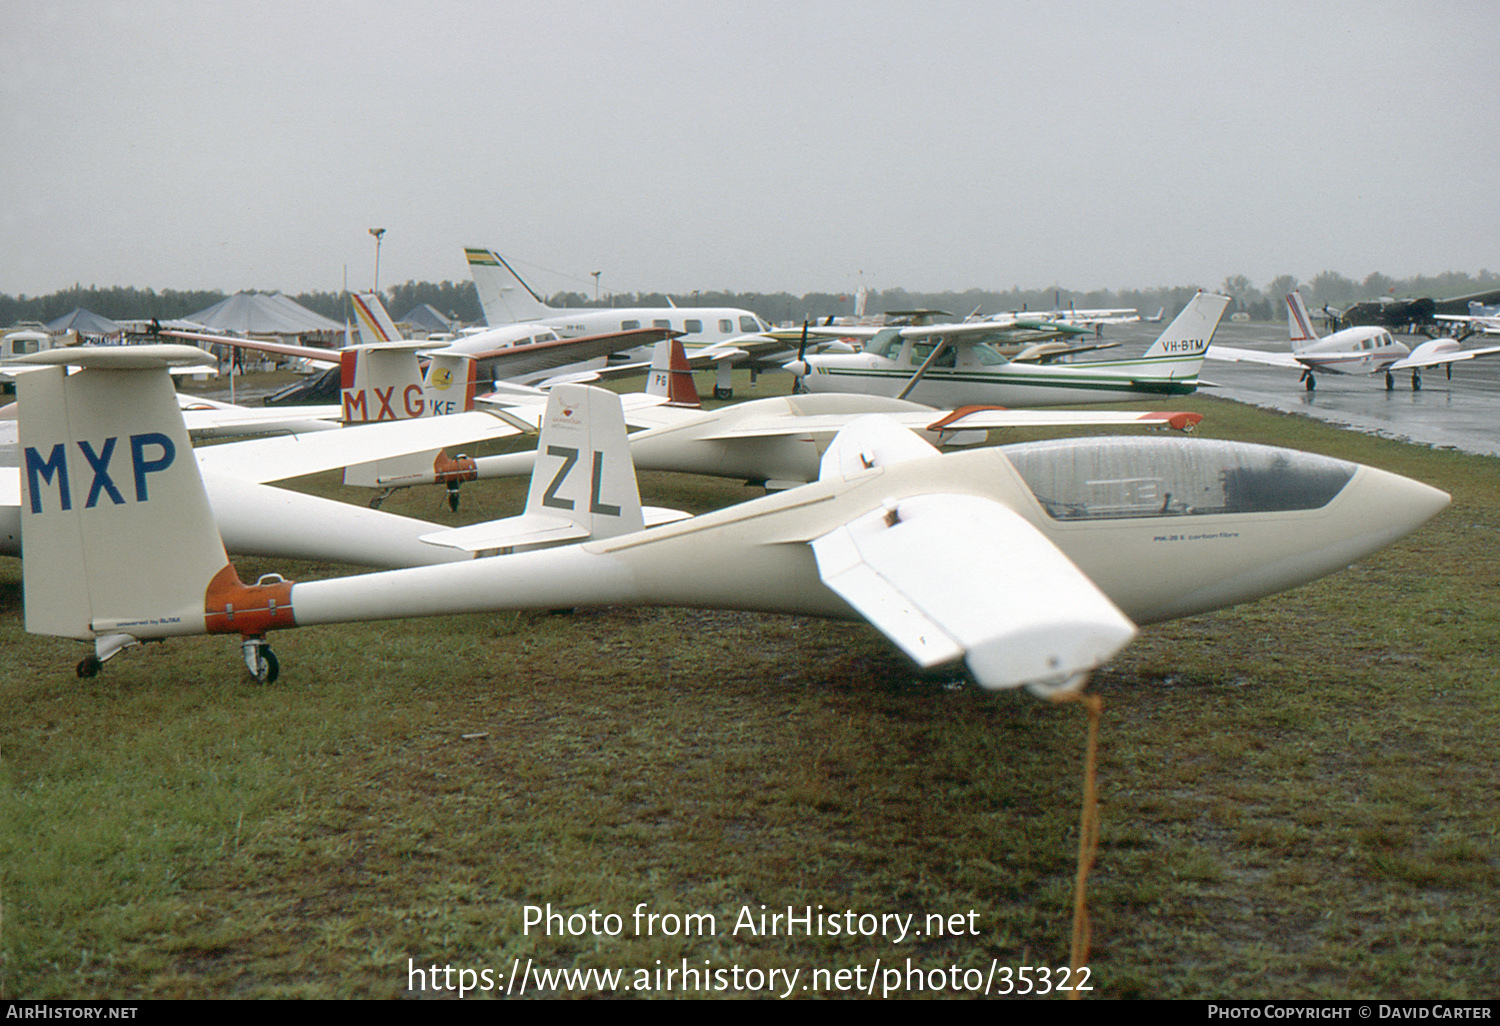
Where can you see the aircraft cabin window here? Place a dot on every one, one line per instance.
(987, 354)
(749, 325)
(922, 350)
(661, 322)
(629, 325)
(726, 325)
(1117, 478)
(692, 326)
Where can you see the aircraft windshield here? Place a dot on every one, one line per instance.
(1113, 478)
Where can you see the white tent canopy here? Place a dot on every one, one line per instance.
(263, 314)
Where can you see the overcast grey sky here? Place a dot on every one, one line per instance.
(745, 145)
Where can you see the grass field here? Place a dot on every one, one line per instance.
(1298, 796)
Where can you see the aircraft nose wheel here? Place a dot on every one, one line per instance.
(1390, 382)
(1416, 381)
(261, 661)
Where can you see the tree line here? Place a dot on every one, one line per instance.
(459, 301)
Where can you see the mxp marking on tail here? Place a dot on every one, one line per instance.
(54, 468)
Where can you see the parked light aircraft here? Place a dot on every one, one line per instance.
(1479, 318)
(718, 336)
(779, 442)
(1361, 350)
(1033, 562)
(1092, 319)
(520, 352)
(942, 367)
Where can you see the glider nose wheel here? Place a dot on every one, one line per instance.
(260, 660)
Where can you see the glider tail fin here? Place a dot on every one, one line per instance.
(380, 383)
(584, 471)
(375, 324)
(504, 297)
(449, 384)
(671, 376)
(1298, 323)
(1187, 337)
(120, 540)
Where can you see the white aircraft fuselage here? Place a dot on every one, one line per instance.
(1159, 545)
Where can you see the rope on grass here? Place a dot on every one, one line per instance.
(1088, 834)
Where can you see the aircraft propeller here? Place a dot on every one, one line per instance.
(797, 386)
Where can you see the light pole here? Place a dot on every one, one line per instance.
(596, 285)
(377, 232)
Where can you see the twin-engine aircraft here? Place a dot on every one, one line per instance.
(713, 336)
(1032, 562)
(1360, 350)
(951, 365)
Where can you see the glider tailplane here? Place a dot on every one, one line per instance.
(584, 471)
(671, 376)
(503, 296)
(120, 540)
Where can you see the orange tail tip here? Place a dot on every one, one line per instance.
(447, 469)
(232, 607)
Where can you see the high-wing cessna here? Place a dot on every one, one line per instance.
(1361, 350)
(1033, 562)
(942, 366)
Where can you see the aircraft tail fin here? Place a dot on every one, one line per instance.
(504, 297)
(120, 539)
(449, 384)
(1192, 330)
(671, 375)
(380, 383)
(375, 324)
(1298, 323)
(584, 471)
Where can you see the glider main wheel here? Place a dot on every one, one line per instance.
(262, 663)
(269, 668)
(89, 667)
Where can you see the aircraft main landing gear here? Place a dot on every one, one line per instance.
(260, 660)
(1416, 380)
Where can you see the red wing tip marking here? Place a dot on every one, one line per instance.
(959, 414)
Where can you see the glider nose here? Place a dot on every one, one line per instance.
(1392, 506)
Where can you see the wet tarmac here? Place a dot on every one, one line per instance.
(1459, 413)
